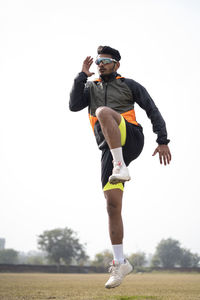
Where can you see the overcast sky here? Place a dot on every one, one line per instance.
(49, 160)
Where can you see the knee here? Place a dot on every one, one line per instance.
(102, 112)
(113, 209)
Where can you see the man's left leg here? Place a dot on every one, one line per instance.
(120, 267)
(114, 208)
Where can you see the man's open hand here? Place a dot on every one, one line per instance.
(86, 66)
(164, 154)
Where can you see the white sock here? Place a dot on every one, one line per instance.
(117, 154)
(118, 253)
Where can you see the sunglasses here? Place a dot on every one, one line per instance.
(104, 60)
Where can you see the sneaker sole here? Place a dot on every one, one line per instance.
(116, 180)
(112, 287)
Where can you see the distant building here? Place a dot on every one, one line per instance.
(2, 243)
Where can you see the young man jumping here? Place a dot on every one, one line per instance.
(110, 101)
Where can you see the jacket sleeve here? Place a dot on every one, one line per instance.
(144, 100)
(79, 96)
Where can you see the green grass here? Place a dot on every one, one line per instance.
(158, 286)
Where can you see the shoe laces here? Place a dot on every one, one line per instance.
(117, 165)
(114, 268)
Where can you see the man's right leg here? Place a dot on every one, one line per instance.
(110, 122)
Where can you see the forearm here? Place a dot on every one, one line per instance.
(158, 123)
(159, 126)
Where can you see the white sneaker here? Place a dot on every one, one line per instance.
(120, 173)
(118, 272)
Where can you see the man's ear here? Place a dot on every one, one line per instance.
(117, 65)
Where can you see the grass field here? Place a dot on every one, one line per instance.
(91, 287)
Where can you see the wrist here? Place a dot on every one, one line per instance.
(84, 73)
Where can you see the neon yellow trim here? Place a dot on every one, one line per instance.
(122, 128)
(110, 186)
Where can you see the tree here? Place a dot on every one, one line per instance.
(169, 253)
(155, 261)
(137, 259)
(62, 246)
(8, 256)
(186, 258)
(189, 259)
(102, 259)
(195, 260)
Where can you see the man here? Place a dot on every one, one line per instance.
(110, 101)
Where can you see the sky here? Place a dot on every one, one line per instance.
(49, 160)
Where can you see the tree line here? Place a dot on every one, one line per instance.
(61, 246)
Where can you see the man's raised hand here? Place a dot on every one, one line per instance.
(86, 66)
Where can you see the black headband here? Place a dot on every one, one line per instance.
(108, 50)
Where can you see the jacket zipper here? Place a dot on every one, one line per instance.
(106, 84)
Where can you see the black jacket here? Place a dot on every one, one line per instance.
(118, 93)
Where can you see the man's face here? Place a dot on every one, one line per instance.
(107, 68)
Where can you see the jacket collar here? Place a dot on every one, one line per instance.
(109, 77)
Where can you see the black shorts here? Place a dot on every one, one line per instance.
(134, 142)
